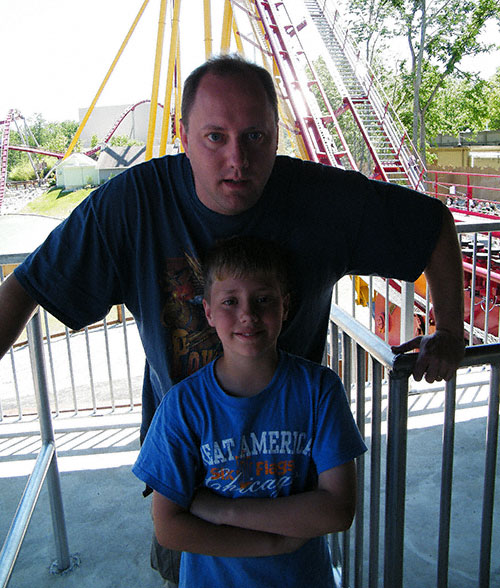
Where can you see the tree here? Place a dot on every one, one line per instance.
(494, 102)
(439, 35)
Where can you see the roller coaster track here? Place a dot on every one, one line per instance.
(319, 122)
(5, 147)
(316, 121)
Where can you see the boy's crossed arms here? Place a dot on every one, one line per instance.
(251, 527)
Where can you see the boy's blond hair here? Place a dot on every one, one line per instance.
(244, 256)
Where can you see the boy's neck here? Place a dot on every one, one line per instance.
(245, 377)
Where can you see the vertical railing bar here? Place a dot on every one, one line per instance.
(347, 378)
(127, 356)
(108, 361)
(333, 538)
(427, 309)
(487, 294)
(397, 423)
(473, 291)
(489, 477)
(386, 310)
(370, 298)
(51, 361)
(45, 418)
(446, 483)
(360, 462)
(91, 371)
(70, 364)
(375, 453)
(16, 385)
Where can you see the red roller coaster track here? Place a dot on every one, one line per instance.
(5, 145)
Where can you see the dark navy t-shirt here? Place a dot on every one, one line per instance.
(138, 240)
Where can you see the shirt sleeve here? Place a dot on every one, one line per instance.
(169, 459)
(337, 438)
(73, 273)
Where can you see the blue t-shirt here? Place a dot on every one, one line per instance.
(270, 445)
(138, 239)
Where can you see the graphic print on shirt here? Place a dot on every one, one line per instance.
(257, 464)
(194, 342)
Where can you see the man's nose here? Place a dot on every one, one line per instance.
(238, 155)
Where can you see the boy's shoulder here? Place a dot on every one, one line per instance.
(308, 366)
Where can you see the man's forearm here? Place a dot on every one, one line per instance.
(16, 308)
(444, 274)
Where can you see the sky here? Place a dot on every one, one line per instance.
(56, 53)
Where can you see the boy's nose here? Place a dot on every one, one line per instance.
(247, 313)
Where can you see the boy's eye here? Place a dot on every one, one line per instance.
(229, 302)
(264, 299)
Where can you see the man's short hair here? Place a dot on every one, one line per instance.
(245, 256)
(224, 66)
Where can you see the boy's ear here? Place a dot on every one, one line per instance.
(208, 312)
(286, 306)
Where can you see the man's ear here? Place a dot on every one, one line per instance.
(184, 137)
(208, 312)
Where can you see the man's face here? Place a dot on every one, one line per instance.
(231, 142)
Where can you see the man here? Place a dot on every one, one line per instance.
(138, 238)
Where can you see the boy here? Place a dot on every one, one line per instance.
(251, 458)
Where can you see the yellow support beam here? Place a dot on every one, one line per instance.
(178, 89)
(226, 27)
(237, 38)
(153, 107)
(170, 77)
(101, 87)
(207, 16)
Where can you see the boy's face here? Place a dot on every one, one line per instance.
(247, 314)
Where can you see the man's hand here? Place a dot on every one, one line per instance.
(439, 355)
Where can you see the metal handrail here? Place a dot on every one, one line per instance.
(45, 469)
(399, 370)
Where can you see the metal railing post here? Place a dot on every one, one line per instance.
(45, 468)
(47, 432)
(397, 428)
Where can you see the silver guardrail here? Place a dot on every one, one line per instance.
(345, 335)
(45, 469)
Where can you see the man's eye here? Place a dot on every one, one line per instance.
(214, 137)
(255, 136)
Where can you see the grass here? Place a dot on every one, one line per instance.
(57, 202)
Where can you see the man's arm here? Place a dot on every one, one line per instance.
(16, 308)
(329, 508)
(177, 528)
(441, 352)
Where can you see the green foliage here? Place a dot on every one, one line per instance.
(438, 34)
(22, 172)
(494, 102)
(48, 136)
(123, 141)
